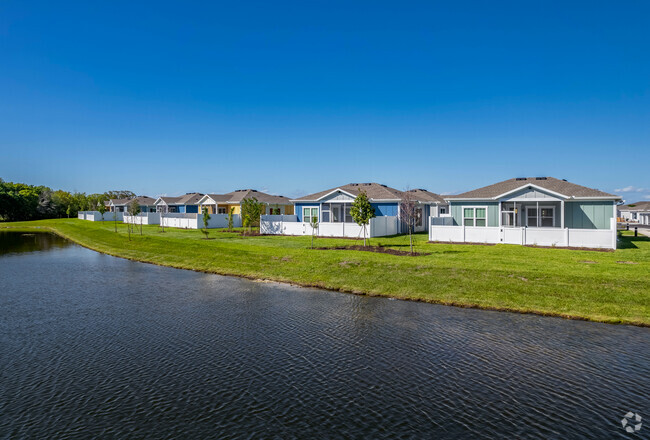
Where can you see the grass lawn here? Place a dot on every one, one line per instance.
(610, 287)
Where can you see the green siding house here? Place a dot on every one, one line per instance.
(542, 211)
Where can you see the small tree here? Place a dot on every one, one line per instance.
(102, 209)
(408, 213)
(231, 212)
(362, 211)
(206, 219)
(313, 222)
(251, 210)
(162, 223)
(133, 209)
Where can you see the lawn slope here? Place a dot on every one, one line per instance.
(611, 287)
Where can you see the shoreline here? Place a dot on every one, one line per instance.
(293, 283)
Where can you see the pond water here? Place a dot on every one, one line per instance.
(97, 346)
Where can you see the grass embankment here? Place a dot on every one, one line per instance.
(609, 287)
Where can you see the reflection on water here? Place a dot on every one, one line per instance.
(95, 346)
(13, 242)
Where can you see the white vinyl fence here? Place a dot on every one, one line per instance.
(587, 238)
(195, 221)
(144, 218)
(96, 216)
(289, 225)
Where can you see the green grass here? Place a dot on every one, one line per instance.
(560, 282)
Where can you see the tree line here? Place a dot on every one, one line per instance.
(20, 202)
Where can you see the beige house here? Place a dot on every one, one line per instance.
(223, 203)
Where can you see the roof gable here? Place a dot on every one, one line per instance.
(374, 191)
(560, 188)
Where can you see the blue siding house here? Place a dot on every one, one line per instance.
(333, 205)
(187, 204)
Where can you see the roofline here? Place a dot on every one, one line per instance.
(369, 198)
(492, 199)
(529, 185)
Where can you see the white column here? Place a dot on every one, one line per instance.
(562, 214)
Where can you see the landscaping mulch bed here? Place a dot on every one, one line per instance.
(378, 249)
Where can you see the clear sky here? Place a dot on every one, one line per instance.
(297, 97)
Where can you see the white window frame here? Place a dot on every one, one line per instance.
(538, 215)
(309, 216)
(474, 208)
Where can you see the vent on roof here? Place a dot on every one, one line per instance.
(354, 184)
(564, 180)
(540, 178)
(521, 178)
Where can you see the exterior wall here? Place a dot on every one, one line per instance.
(588, 215)
(492, 212)
(382, 209)
(299, 206)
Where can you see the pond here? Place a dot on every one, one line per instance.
(97, 346)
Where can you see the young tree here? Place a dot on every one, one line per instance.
(101, 207)
(162, 210)
(251, 210)
(230, 218)
(313, 222)
(206, 219)
(362, 211)
(408, 211)
(133, 209)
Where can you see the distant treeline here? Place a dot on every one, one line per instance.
(19, 201)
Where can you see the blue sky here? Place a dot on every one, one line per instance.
(296, 97)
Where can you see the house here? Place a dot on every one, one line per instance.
(634, 212)
(186, 204)
(222, 203)
(147, 204)
(433, 205)
(331, 209)
(542, 211)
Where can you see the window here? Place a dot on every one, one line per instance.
(418, 217)
(336, 213)
(326, 212)
(348, 216)
(475, 216)
(275, 211)
(531, 217)
(546, 217)
(222, 210)
(309, 215)
(443, 210)
(508, 214)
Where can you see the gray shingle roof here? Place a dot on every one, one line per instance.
(187, 199)
(142, 200)
(550, 183)
(638, 206)
(374, 191)
(424, 196)
(236, 197)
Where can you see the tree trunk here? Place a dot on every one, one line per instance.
(411, 240)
